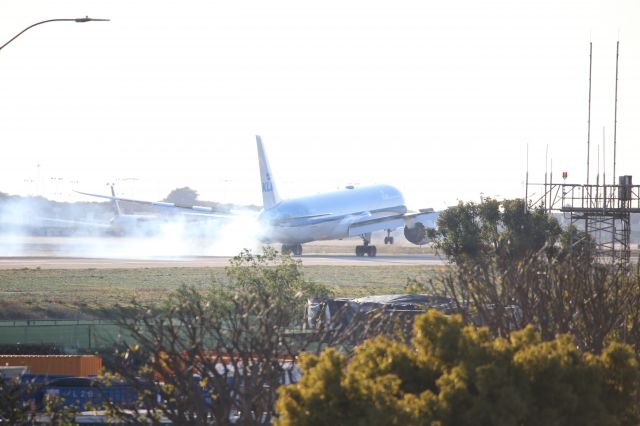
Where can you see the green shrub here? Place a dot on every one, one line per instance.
(452, 374)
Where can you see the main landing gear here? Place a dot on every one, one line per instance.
(388, 239)
(366, 248)
(295, 249)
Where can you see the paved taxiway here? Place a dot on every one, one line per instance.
(45, 262)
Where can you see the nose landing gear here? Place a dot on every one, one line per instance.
(388, 239)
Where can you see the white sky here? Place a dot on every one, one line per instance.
(439, 98)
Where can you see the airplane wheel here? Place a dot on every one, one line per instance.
(371, 251)
(386, 240)
(390, 240)
(359, 251)
(297, 250)
(286, 249)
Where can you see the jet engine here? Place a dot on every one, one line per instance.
(417, 234)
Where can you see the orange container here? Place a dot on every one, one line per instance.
(71, 365)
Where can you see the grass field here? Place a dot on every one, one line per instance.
(93, 293)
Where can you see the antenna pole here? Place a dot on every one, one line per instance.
(551, 185)
(615, 115)
(589, 116)
(546, 164)
(604, 169)
(598, 173)
(526, 184)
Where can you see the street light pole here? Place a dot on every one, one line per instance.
(85, 19)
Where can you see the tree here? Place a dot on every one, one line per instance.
(515, 266)
(458, 233)
(210, 358)
(453, 374)
(15, 405)
(578, 244)
(526, 231)
(19, 403)
(471, 232)
(557, 294)
(184, 196)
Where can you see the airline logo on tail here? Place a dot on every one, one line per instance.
(267, 186)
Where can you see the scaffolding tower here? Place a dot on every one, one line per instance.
(602, 211)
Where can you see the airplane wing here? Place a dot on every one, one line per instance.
(363, 225)
(364, 222)
(303, 220)
(199, 210)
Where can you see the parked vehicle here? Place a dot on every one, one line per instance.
(82, 392)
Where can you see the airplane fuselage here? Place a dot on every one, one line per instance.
(328, 216)
(135, 224)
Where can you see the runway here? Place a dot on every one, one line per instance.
(127, 253)
(45, 262)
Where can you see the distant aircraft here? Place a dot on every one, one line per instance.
(120, 224)
(352, 212)
(132, 223)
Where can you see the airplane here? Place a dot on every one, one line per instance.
(132, 223)
(352, 212)
(348, 213)
(119, 225)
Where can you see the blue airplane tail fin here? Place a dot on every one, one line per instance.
(270, 195)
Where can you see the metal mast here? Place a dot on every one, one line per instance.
(605, 208)
(615, 114)
(589, 116)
